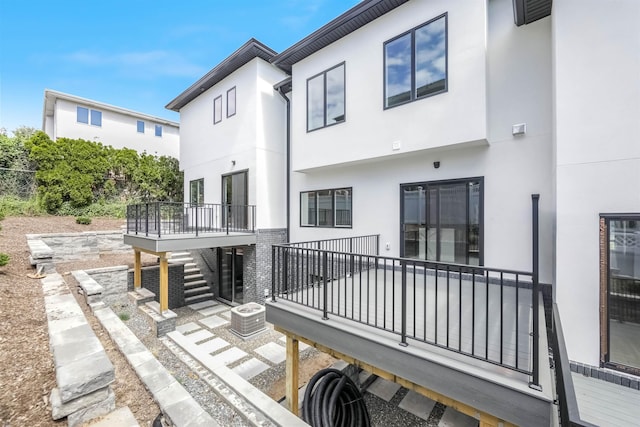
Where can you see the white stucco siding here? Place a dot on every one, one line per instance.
(454, 117)
(597, 107)
(117, 130)
(252, 140)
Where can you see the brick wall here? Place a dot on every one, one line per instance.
(264, 240)
(151, 281)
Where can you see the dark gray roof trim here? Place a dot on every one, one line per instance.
(248, 51)
(351, 20)
(285, 85)
(528, 11)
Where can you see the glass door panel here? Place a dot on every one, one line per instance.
(414, 221)
(234, 195)
(624, 292)
(225, 288)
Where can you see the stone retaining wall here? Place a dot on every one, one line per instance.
(85, 245)
(113, 280)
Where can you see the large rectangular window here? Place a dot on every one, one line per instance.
(325, 98)
(231, 102)
(415, 63)
(442, 221)
(217, 110)
(196, 191)
(326, 208)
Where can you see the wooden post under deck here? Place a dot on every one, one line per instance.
(137, 269)
(164, 282)
(293, 358)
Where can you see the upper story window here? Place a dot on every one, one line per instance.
(158, 130)
(196, 191)
(325, 98)
(217, 110)
(326, 208)
(415, 63)
(140, 126)
(85, 115)
(231, 102)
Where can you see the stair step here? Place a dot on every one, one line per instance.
(188, 265)
(198, 298)
(180, 254)
(181, 261)
(196, 284)
(193, 277)
(188, 271)
(196, 291)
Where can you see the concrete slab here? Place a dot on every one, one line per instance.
(199, 336)
(70, 352)
(154, 376)
(213, 310)
(453, 418)
(417, 404)
(301, 346)
(272, 352)
(188, 413)
(225, 314)
(96, 410)
(61, 410)
(384, 389)
(213, 322)
(188, 327)
(204, 304)
(228, 356)
(250, 368)
(121, 417)
(213, 345)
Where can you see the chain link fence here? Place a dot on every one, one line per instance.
(17, 183)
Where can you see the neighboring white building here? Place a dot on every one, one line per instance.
(69, 116)
(233, 153)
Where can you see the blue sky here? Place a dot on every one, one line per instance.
(136, 54)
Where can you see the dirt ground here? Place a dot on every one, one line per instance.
(26, 365)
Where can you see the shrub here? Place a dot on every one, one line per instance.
(14, 206)
(83, 220)
(4, 259)
(124, 316)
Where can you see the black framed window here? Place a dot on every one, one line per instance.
(326, 208)
(217, 109)
(231, 102)
(196, 191)
(325, 98)
(415, 63)
(443, 221)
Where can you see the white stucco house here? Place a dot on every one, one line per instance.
(70, 116)
(449, 132)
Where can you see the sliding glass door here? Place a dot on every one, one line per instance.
(441, 221)
(230, 262)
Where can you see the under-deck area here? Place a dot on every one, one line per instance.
(459, 335)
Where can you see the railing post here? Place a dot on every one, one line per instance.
(196, 208)
(158, 218)
(228, 217)
(273, 273)
(285, 269)
(535, 382)
(325, 293)
(403, 313)
(146, 219)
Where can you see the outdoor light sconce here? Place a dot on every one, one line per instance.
(233, 162)
(436, 165)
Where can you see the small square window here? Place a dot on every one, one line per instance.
(231, 102)
(217, 110)
(158, 130)
(82, 115)
(140, 126)
(96, 118)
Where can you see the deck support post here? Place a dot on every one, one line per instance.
(137, 269)
(292, 374)
(164, 282)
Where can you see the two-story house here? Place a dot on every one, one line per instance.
(70, 116)
(442, 162)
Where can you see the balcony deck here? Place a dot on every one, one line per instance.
(465, 336)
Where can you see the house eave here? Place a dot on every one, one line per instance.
(247, 52)
(353, 19)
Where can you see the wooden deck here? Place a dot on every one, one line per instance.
(606, 404)
(439, 312)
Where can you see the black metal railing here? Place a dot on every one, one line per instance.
(485, 313)
(166, 218)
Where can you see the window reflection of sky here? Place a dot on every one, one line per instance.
(430, 63)
(331, 97)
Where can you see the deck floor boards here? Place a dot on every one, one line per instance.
(604, 403)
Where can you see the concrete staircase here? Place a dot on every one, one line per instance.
(196, 288)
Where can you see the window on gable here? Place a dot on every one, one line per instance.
(140, 126)
(415, 63)
(325, 98)
(158, 130)
(82, 115)
(217, 110)
(326, 208)
(231, 102)
(96, 118)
